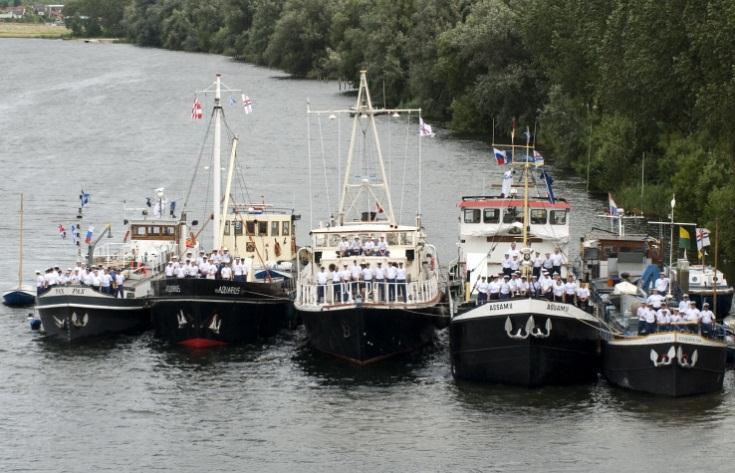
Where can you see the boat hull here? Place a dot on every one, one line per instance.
(201, 313)
(19, 298)
(671, 364)
(364, 335)
(525, 342)
(76, 313)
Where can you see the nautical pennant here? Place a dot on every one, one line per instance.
(196, 110)
(247, 104)
(425, 128)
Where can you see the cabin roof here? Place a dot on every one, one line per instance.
(371, 227)
(502, 202)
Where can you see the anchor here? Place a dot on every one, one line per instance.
(684, 360)
(181, 318)
(79, 322)
(538, 332)
(215, 324)
(518, 335)
(665, 359)
(61, 323)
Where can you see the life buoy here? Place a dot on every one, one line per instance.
(277, 249)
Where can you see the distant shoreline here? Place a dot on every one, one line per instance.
(33, 30)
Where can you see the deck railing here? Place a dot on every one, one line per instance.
(368, 292)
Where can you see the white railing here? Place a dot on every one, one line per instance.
(368, 292)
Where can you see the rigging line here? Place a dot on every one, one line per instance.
(308, 151)
(198, 163)
(339, 158)
(405, 164)
(418, 205)
(324, 163)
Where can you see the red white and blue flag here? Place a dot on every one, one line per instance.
(613, 208)
(196, 110)
(702, 238)
(247, 104)
(501, 157)
(88, 235)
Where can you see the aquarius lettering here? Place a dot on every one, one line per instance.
(228, 290)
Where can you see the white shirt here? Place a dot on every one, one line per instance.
(558, 289)
(40, 281)
(504, 288)
(583, 293)
(119, 279)
(661, 285)
(655, 300)
(482, 287)
(238, 269)
(513, 252)
(400, 274)
(556, 259)
(547, 263)
(706, 316)
(506, 263)
(335, 276)
(379, 273)
(493, 287)
(570, 288)
(193, 270)
(663, 316)
(692, 315)
(169, 270)
(391, 273)
(105, 280)
(650, 316)
(356, 272)
(367, 274)
(212, 271)
(641, 313)
(226, 272)
(321, 278)
(683, 305)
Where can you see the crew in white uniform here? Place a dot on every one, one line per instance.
(707, 320)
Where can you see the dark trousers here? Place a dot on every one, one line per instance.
(380, 289)
(319, 293)
(401, 289)
(391, 290)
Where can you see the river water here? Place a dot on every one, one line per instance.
(114, 120)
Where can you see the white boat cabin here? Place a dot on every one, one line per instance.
(260, 233)
(489, 225)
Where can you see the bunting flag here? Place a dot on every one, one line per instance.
(196, 110)
(83, 199)
(88, 236)
(549, 189)
(501, 157)
(247, 104)
(538, 159)
(232, 100)
(62, 231)
(75, 234)
(702, 238)
(172, 209)
(425, 128)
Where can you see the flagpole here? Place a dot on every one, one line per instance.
(671, 239)
(714, 279)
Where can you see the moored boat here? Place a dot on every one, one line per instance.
(369, 287)
(220, 303)
(76, 310)
(517, 331)
(22, 295)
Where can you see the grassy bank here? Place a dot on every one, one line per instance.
(32, 30)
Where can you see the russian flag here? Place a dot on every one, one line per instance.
(88, 236)
(500, 156)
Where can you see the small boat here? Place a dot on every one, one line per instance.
(708, 284)
(383, 296)
(77, 311)
(199, 312)
(21, 296)
(526, 339)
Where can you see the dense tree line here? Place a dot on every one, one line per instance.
(607, 82)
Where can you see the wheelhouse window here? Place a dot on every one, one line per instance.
(407, 239)
(275, 227)
(471, 215)
(538, 216)
(320, 240)
(491, 215)
(334, 239)
(139, 231)
(512, 215)
(558, 217)
(154, 230)
(250, 227)
(392, 238)
(237, 225)
(263, 228)
(170, 230)
(286, 227)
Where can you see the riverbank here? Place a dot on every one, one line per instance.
(33, 30)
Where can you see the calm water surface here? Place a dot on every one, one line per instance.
(114, 120)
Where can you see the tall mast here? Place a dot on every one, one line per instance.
(20, 258)
(216, 177)
(714, 279)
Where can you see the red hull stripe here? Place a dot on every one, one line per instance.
(201, 343)
(503, 203)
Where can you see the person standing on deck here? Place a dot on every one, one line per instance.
(401, 282)
(390, 275)
(557, 259)
(707, 320)
(379, 274)
(321, 284)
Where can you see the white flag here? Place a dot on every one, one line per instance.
(424, 128)
(247, 104)
(702, 238)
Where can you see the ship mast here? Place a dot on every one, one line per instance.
(216, 172)
(20, 260)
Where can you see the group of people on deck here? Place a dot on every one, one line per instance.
(657, 315)
(356, 247)
(552, 288)
(219, 264)
(384, 282)
(107, 280)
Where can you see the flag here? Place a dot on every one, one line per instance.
(527, 134)
(513, 130)
(83, 199)
(425, 128)
(172, 209)
(501, 157)
(379, 207)
(88, 236)
(538, 159)
(75, 234)
(549, 189)
(702, 238)
(613, 208)
(62, 231)
(247, 104)
(685, 240)
(507, 183)
(232, 100)
(196, 110)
